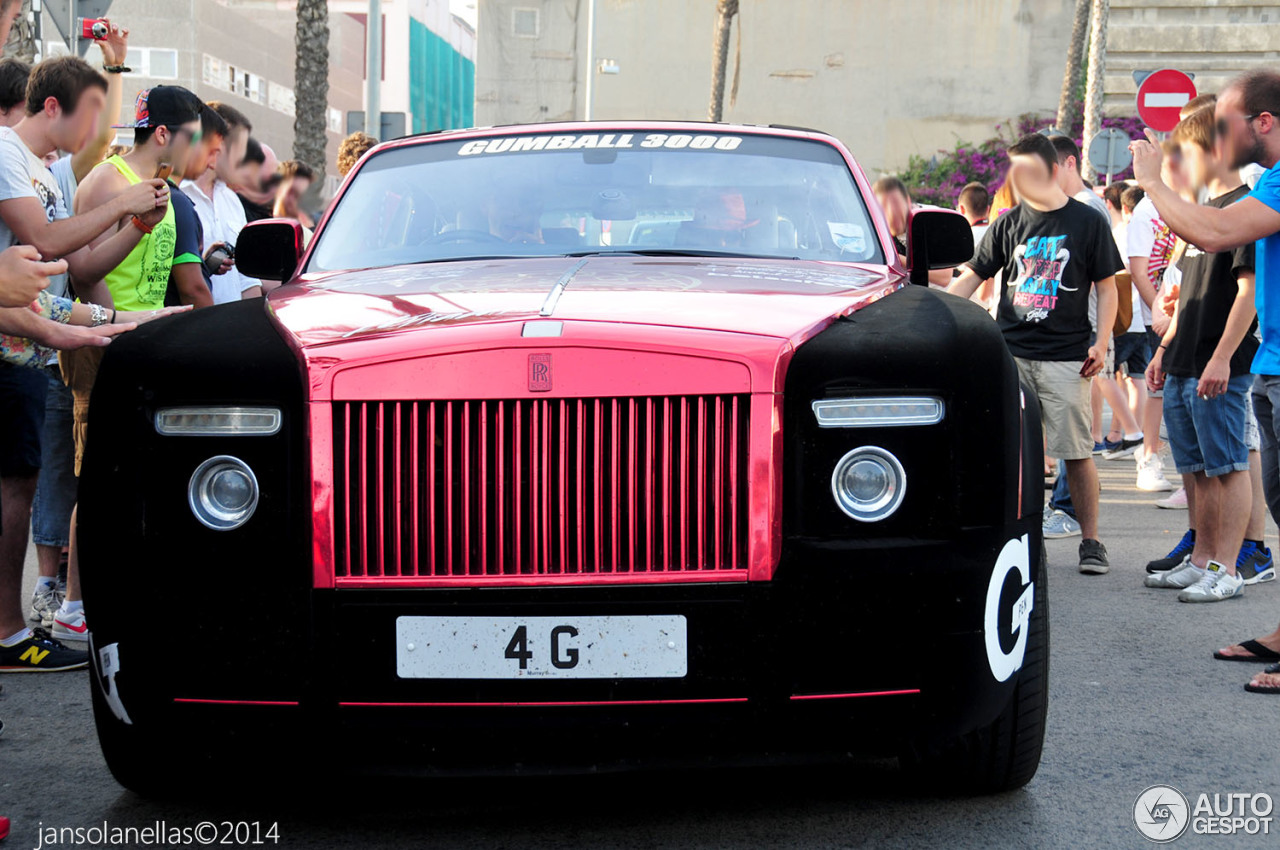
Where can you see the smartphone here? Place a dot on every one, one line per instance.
(95, 28)
(163, 170)
(1084, 369)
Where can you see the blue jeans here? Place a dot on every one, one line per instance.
(1207, 435)
(1060, 498)
(56, 490)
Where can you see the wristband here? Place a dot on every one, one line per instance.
(141, 225)
(113, 316)
(117, 69)
(1162, 345)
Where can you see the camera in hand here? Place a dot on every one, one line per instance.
(218, 255)
(95, 28)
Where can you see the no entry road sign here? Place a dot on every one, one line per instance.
(1161, 96)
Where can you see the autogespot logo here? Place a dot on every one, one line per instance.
(1161, 813)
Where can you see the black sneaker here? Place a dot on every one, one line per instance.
(40, 653)
(1093, 557)
(1176, 555)
(1126, 448)
(1255, 565)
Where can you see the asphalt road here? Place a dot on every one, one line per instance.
(1136, 700)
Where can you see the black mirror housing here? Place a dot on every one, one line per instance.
(937, 239)
(270, 249)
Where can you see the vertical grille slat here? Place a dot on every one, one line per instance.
(525, 488)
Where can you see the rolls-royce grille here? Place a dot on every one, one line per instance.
(546, 487)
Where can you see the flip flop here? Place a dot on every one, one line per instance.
(1274, 690)
(1273, 668)
(1259, 653)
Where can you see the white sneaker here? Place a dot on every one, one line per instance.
(1151, 475)
(70, 626)
(1179, 577)
(1214, 586)
(44, 604)
(1176, 502)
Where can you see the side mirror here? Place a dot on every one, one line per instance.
(269, 249)
(937, 239)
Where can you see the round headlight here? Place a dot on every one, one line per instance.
(869, 484)
(223, 493)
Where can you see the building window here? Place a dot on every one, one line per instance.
(524, 22)
(280, 98)
(154, 62)
(335, 120)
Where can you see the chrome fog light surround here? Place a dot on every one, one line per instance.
(878, 411)
(218, 421)
(869, 484)
(223, 493)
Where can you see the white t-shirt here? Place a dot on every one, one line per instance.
(222, 218)
(1145, 230)
(24, 175)
(1088, 196)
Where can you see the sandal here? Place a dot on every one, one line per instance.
(1259, 653)
(1262, 689)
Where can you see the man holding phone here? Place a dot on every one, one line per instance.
(1053, 250)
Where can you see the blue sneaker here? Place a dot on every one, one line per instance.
(1099, 448)
(1176, 555)
(1057, 525)
(1254, 564)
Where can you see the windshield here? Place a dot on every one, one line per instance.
(538, 194)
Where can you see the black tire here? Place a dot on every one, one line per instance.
(1005, 754)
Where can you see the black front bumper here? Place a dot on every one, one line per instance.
(852, 648)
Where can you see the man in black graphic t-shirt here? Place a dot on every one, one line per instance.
(1053, 250)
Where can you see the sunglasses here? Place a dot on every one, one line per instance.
(193, 135)
(1221, 126)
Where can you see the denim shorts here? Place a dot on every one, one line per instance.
(1207, 436)
(56, 490)
(1153, 342)
(1133, 353)
(22, 393)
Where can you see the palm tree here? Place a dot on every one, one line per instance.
(311, 89)
(22, 37)
(1093, 93)
(725, 10)
(1075, 60)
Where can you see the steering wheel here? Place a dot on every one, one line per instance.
(451, 236)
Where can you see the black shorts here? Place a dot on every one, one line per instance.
(22, 395)
(1133, 351)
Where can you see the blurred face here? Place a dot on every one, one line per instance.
(231, 156)
(1195, 165)
(71, 131)
(896, 209)
(291, 192)
(1238, 140)
(203, 157)
(1172, 174)
(1028, 172)
(178, 144)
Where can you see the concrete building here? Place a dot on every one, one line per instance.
(428, 62)
(890, 78)
(1213, 39)
(238, 51)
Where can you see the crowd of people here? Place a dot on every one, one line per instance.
(97, 240)
(1150, 298)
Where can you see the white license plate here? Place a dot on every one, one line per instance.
(651, 647)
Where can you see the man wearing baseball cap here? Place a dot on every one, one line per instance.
(166, 126)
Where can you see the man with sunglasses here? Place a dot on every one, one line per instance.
(1247, 124)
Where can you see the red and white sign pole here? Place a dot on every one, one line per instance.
(1161, 97)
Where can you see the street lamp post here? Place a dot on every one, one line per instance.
(373, 71)
(590, 87)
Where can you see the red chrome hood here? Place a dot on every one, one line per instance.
(787, 299)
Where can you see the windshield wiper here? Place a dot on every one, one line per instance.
(677, 252)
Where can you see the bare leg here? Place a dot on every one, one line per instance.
(1095, 402)
(73, 561)
(1188, 484)
(1207, 492)
(16, 494)
(1121, 415)
(1235, 495)
(1257, 528)
(1152, 413)
(1082, 477)
(47, 558)
(1137, 393)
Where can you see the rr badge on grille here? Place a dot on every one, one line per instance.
(539, 373)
